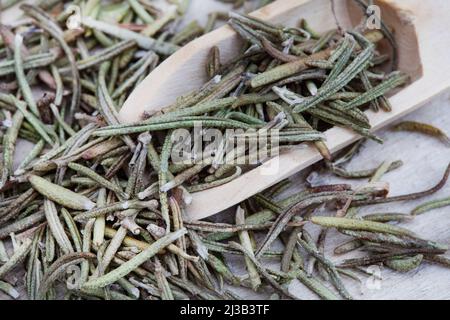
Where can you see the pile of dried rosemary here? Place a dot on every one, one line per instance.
(105, 201)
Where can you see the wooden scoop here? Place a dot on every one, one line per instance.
(421, 32)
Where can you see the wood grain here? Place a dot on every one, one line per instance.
(425, 159)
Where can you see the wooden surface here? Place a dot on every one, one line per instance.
(425, 160)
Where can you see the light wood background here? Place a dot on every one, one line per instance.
(425, 160)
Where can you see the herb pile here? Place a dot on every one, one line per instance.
(107, 199)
